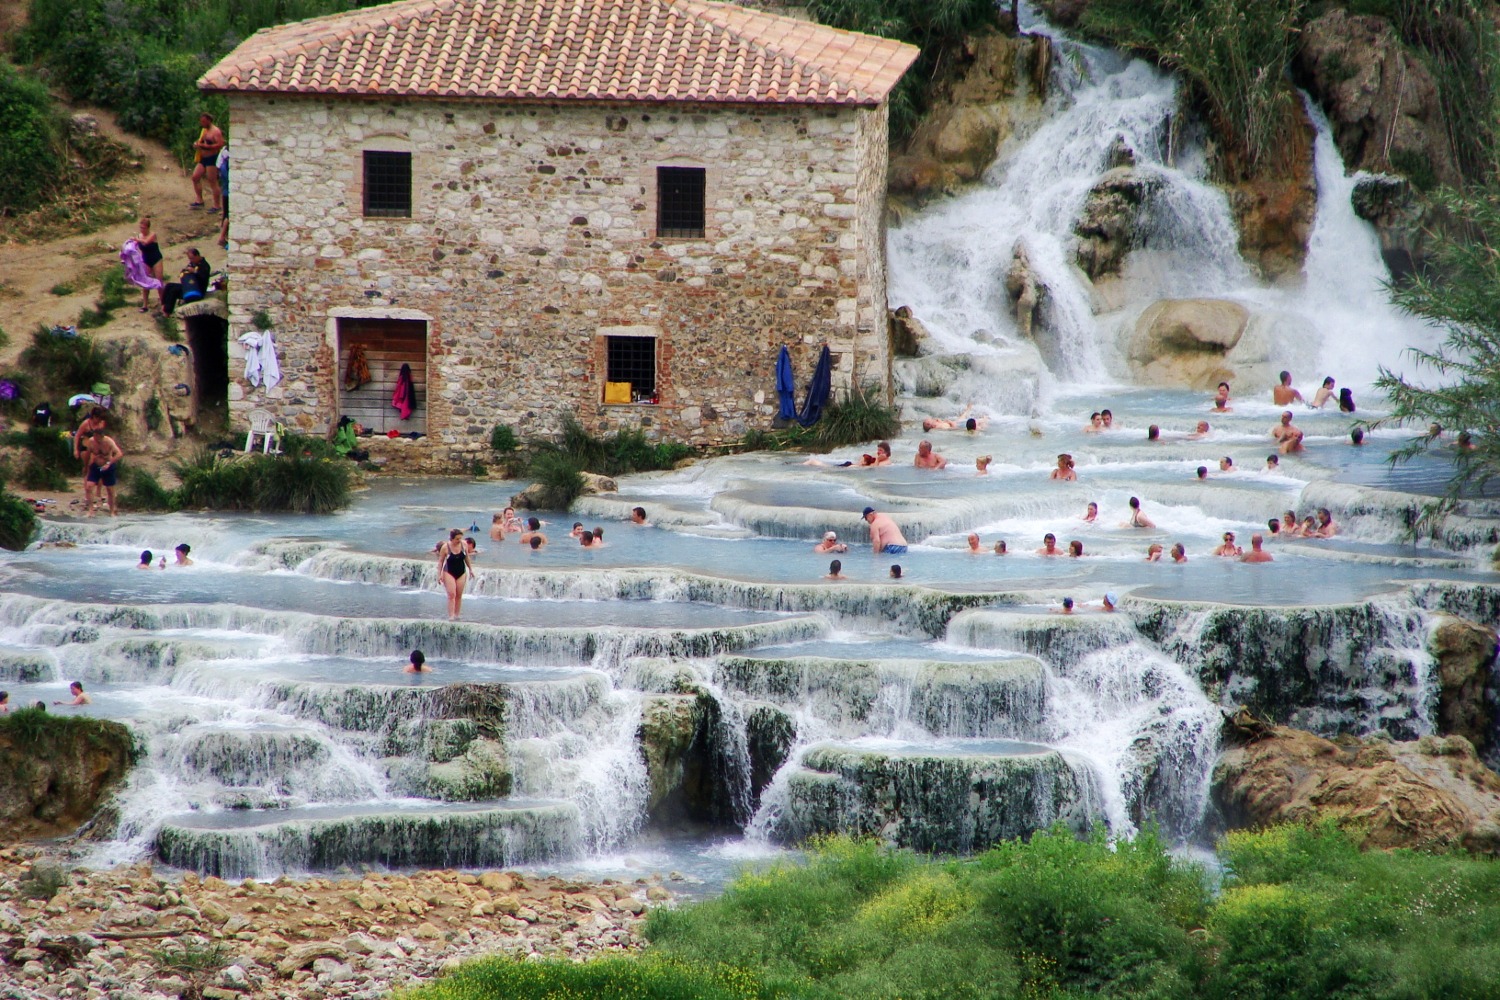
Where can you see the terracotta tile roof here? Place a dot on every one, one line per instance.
(607, 50)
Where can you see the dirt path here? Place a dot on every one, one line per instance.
(162, 189)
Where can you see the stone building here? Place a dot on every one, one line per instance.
(616, 209)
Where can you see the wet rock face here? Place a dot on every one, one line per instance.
(58, 774)
(1432, 793)
(1381, 100)
(933, 803)
(995, 91)
(1400, 218)
(694, 773)
(1108, 222)
(1464, 652)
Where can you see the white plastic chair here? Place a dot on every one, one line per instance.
(262, 423)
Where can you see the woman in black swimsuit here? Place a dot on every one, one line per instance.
(151, 256)
(453, 568)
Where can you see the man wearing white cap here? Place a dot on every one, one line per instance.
(1110, 600)
(830, 543)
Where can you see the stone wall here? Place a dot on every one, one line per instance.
(533, 236)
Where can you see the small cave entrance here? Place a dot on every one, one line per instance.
(208, 346)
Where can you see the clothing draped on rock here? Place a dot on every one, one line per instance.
(357, 371)
(404, 399)
(136, 271)
(786, 385)
(261, 366)
(817, 390)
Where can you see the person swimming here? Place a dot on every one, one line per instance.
(1095, 424)
(835, 571)
(1092, 513)
(1228, 548)
(417, 663)
(1153, 552)
(895, 571)
(974, 543)
(830, 543)
(1200, 432)
(146, 558)
(1357, 436)
(1067, 607)
(1346, 401)
(1324, 394)
(1000, 548)
(1256, 554)
(1064, 471)
(1075, 549)
(1179, 554)
(78, 697)
(982, 463)
(1049, 545)
(1153, 433)
(1138, 518)
(1283, 393)
(1226, 464)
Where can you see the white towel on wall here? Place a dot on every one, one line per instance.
(261, 364)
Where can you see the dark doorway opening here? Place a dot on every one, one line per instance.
(208, 344)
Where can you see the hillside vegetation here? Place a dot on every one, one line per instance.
(142, 58)
(1301, 915)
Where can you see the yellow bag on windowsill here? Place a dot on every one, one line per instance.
(617, 392)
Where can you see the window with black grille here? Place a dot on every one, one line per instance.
(387, 185)
(633, 360)
(679, 202)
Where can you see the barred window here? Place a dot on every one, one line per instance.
(387, 185)
(633, 360)
(679, 202)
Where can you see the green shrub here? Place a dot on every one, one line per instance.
(143, 491)
(115, 291)
(32, 156)
(600, 979)
(503, 439)
(619, 454)
(18, 522)
(295, 481)
(92, 319)
(169, 328)
(858, 416)
(559, 476)
(299, 484)
(65, 365)
(1235, 55)
(49, 459)
(262, 320)
(61, 289)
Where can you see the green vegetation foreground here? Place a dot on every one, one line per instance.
(1300, 914)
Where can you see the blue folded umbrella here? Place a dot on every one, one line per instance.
(786, 387)
(817, 390)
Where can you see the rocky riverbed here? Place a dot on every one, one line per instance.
(133, 933)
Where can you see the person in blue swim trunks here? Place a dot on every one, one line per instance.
(884, 535)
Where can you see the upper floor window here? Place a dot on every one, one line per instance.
(387, 184)
(679, 202)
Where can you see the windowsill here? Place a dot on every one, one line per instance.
(630, 406)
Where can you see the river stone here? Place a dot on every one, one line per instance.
(947, 801)
(1186, 341)
(303, 955)
(1107, 223)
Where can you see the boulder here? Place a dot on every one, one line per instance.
(1464, 652)
(992, 89)
(1381, 99)
(1187, 341)
(1432, 793)
(906, 332)
(693, 771)
(59, 773)
(1108, 220)
(1023, 289)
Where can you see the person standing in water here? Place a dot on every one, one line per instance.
(1256, 553)
(1283, 394)
(884, 535)
(453, 570)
